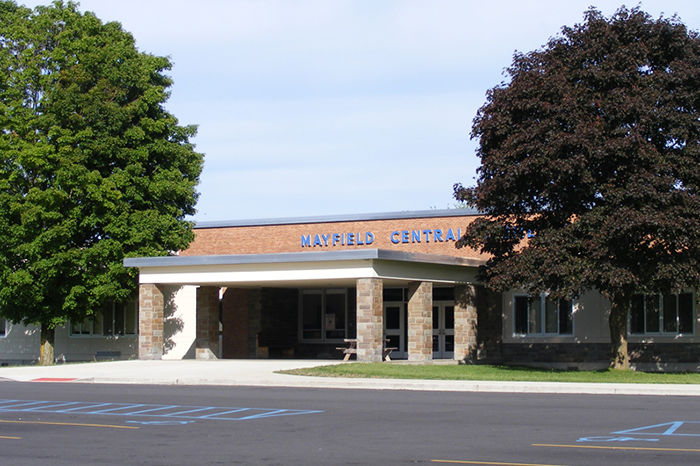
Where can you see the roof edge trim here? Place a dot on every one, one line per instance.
(290, 257)
(339, 218)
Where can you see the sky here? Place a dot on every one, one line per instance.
(333, 107)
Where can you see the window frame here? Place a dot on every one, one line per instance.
(324, 320)
(96, 326)
(661, 308)
(542, 317)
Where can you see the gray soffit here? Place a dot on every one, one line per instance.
(290, 257)
(339, 218)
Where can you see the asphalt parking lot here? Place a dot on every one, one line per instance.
(92, 423)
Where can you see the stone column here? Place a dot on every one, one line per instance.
(420, 321)
(207, 322)
(465, 323)
(151, 305)
(370, 315)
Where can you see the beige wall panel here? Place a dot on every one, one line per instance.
(180, 322)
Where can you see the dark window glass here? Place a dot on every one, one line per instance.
(449, 317)
(520, 324)
(119, 319)
(535, 315)
(97, 321)
(685, 313)
(130, 318)
(107, 320)
(449, 343)
(652, 314)
(323, 314)
(312, 313)
(352, 313)
(393, 294)
(443, 294)
(393, 317)
(551, 316)
(566, 317)
(675, 311)
(670, 306)
(335, 315)
(637, 314)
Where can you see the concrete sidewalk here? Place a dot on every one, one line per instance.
(261, 373)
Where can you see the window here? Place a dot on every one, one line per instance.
(323, 314)
(542, 315)
(662, 314)
(114, 319)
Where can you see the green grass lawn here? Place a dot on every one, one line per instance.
(496, 373)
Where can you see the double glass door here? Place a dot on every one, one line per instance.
(396, 326)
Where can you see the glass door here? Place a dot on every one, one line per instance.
(394, 329)
(443, 330)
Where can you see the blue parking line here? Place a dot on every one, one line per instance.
(24, 404)
(210, 416)
(155, 409)
(144, 410)
(116, 409)
(279, 412)
(180, 414)
(67, 403)
(83, 407)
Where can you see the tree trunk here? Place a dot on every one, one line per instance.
(619, 357)
(46, 354)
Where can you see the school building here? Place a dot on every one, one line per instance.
(379, 285)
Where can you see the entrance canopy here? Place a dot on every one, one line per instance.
(322, 268)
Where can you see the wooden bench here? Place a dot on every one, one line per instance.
(352, 349)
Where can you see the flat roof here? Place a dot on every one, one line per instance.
(290, 257)
(339, 218)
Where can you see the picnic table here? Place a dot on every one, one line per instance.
(351, 349)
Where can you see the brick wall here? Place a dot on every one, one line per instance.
(526, 353)
(665, 353)
(207, 322)
(287, 238)
(235, 307)
(557, 353)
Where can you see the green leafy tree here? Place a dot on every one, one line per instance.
(593, 148)
(92, 167)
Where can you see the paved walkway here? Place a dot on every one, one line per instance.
(261, 373)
